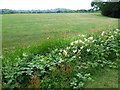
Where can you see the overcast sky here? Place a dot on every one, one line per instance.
(44, 4)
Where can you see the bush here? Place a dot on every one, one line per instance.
(111, 9)
(69, 67)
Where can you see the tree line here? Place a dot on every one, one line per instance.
(57, 10)
(111, 9)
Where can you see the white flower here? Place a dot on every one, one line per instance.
(71, 43)
(83, 35)
(112, 36)
(74, 57)
(41, 60)
(107, 48)
(74, 51)
(68, 48)
(64, 52)
(102, 33)
(95, 40)
(61, 50)
(90, 38)
(85, 39)
(81, 41)
(81, 47)
(56, 49)
(76, 42)
(115, 32)
(24, 54)
(59, 53)
(61, 61)
(101, 44)
(117, 29)
(79, 57)
(88, 50)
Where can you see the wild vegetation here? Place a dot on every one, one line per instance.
(69, 67)
(110, 8)
(58, 50)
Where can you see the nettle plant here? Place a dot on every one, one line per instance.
(75, 64)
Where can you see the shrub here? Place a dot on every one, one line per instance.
(69, 67)
(111, 9)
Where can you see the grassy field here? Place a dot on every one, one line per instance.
(28, 29)
(106, 78)
(40, 40)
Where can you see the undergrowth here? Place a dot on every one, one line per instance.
(68, 66)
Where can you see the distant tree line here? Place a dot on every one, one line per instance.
(57, 10)
(110, 8)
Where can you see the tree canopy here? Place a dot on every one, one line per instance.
(111, 9)
(97, 5)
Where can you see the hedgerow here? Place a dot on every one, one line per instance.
(69, 67)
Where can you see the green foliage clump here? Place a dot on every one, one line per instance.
(69, 67)
(111, 9)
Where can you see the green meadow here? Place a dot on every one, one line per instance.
(59, 50)
(29, 29)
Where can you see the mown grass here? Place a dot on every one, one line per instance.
(105, 78)
(29, 29)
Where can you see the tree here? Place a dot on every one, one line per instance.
(111, 9)
(97, 5)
